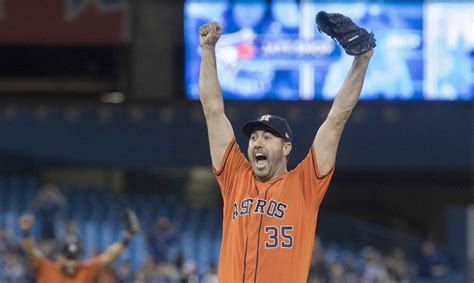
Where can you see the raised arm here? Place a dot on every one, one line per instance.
(329, 134)
(132, 227)
(113, 251)
(219, 129)
(28, 245)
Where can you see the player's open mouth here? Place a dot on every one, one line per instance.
(260, 160)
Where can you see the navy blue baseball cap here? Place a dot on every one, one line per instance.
(271, 123)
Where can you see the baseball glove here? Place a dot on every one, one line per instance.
(132, 224)
(354, 39)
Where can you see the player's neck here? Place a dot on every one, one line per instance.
(282, 170)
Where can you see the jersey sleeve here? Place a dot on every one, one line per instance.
(314, 184)
(233, 166)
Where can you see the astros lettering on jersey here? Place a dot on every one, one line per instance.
(268, 227)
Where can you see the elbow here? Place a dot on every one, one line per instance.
(211, 102)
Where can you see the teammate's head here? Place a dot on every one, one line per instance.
(269, 147)
(69, 258)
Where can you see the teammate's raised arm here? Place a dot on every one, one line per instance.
(132, 227)
(28, 245)
(356, 42)
(218, 126)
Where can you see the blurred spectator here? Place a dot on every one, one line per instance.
(47, 204)
(181, 271)
(319, 270)
(162, 240)
(13, 271)
(187, 270)
(211, 276)
(350, 267)
(157, 273)
(125, 272)
(336, 273)
(374, 270)
(6, 242)
(165, 273)
(431, 263)
(140, 276)
(397, 266)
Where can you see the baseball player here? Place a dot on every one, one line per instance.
(68, 268)
(270, 213)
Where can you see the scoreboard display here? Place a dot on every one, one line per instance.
(273, 50)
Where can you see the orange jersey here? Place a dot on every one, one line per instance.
(50, 272)
(268, 228)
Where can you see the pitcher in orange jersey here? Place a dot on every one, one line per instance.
(270, 213)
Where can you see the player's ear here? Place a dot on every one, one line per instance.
(287, 149)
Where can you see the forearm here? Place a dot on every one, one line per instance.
(114, 250)
(31, 251)
(348, 95)
(210, 92)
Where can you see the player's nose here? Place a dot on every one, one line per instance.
(258, 142)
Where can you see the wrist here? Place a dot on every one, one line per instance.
(208, 47)
(127, 237)
(125, 241)
(365, 56)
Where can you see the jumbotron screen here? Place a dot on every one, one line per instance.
(273, 50)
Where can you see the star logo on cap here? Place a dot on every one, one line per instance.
(265, 118)
(287, 135)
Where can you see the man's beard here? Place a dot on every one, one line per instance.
(69, 272)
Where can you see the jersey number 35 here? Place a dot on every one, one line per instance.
(279, 237)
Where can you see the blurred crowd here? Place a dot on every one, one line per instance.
(166, 264)
(370, 265)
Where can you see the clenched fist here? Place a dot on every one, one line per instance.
(26, 221)
(209, 34)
